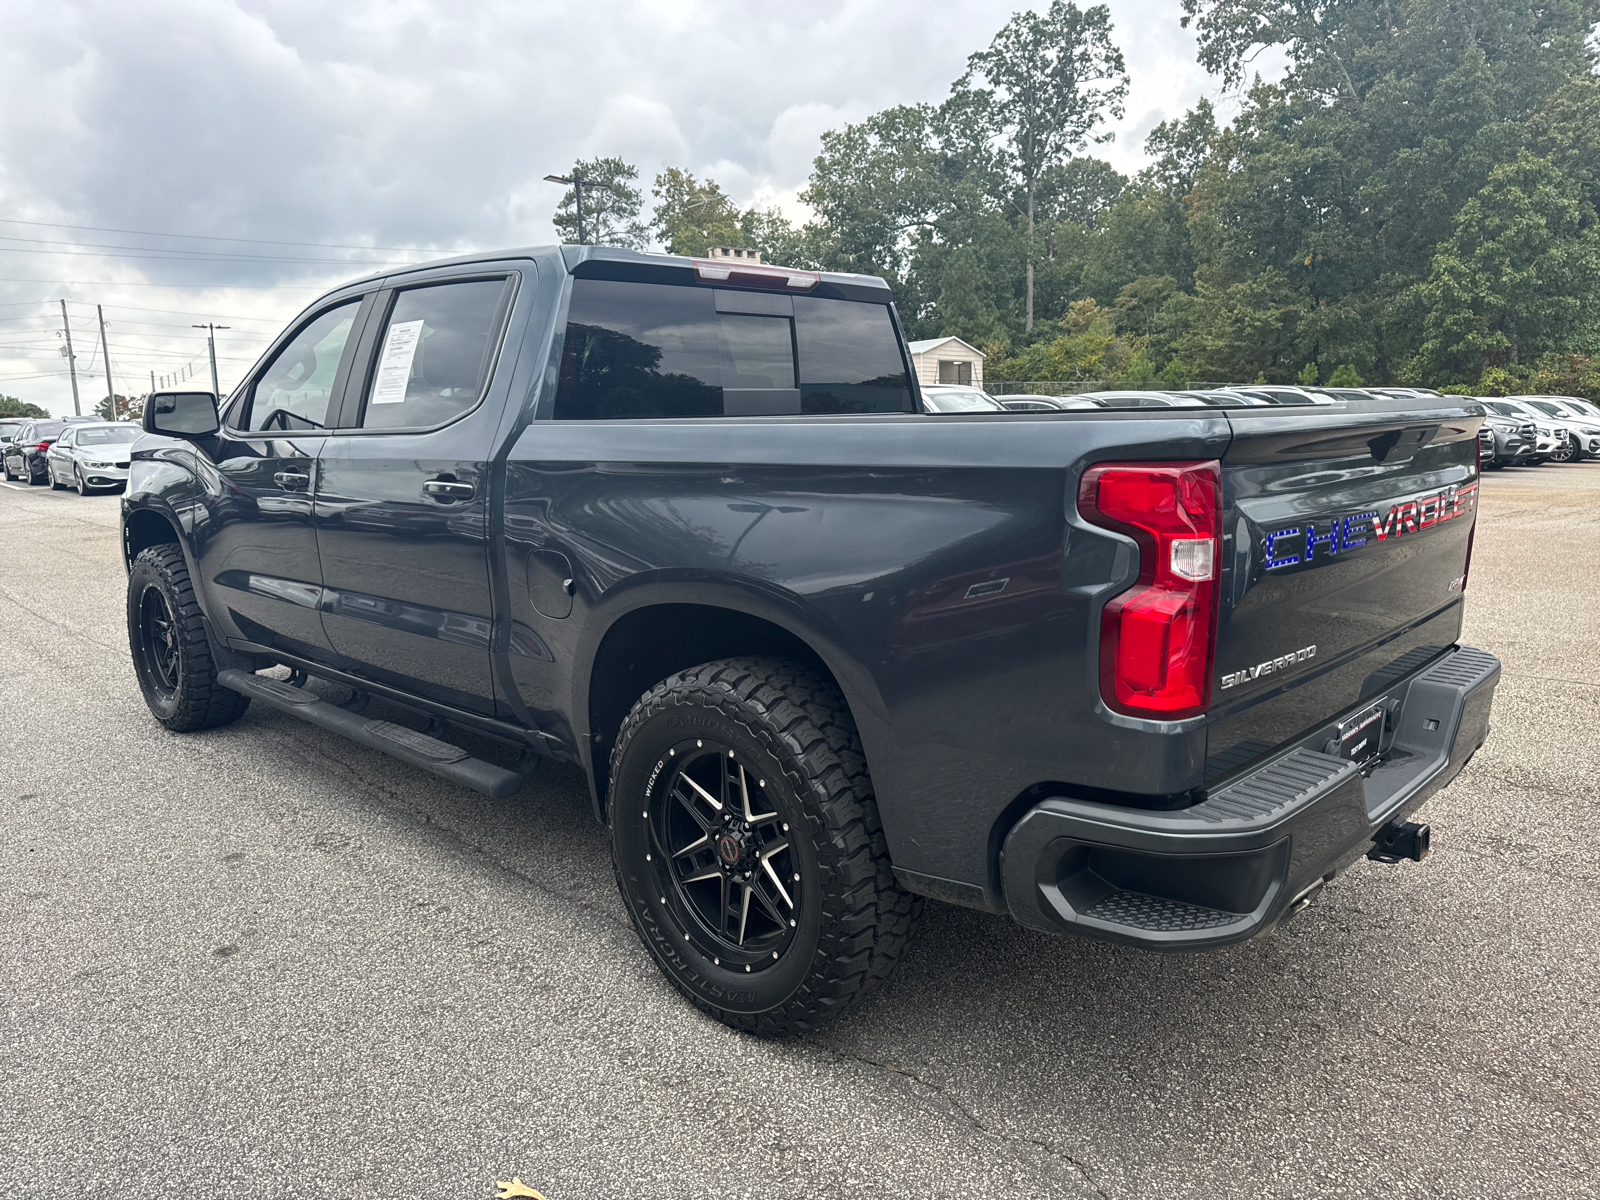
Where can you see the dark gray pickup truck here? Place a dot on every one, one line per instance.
(1152, 675)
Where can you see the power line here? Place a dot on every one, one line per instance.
(200, 256)
(193, 287)
(194, 253)
(200, 237)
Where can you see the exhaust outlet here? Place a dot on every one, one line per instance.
(1401, 839)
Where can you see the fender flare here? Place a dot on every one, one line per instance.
(779, 607)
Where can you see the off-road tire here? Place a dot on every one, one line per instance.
(793, 728)
(190, 698)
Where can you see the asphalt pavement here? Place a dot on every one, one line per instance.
(262, 961)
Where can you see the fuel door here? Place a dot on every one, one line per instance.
(550, 582)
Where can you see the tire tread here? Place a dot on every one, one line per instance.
(203, 703)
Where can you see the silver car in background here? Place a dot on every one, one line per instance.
(91, 456)
(958, 398)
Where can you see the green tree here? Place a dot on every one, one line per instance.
(1080, 190)
(690, 216)
(610, 212)
(1046, 83)
(1180, 149)
(10, 406)
(129, 408)
(1307, 376)
(1345, 376)
(1519, 275)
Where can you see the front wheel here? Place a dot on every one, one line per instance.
(1564, 452)
(83, 486)
(55, 484)
(748, 848)
(171, 652)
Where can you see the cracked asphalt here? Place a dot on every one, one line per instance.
(265, 961)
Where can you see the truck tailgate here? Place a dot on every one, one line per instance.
(1346, 534)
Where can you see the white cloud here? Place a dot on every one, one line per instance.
(425, 123)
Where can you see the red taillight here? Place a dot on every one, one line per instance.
(723, 270)
(1156, 638)
(42, 446)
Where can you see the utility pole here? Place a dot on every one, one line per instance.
(72, 362)
(211, 345)
(577, 183)
(152, 383)
(111, 391)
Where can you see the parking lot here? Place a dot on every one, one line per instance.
(265, 961)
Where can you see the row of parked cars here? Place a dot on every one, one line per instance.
(1519, 430)
(89, 454)
(85, 453)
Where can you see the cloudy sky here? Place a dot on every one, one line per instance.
(298, 143)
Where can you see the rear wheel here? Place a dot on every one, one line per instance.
(748, 849)
(171, 652)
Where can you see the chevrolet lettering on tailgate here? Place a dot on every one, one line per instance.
(1286, 547)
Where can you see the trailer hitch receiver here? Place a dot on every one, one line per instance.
(1401, 839)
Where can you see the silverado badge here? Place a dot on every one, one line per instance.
(1272, 665)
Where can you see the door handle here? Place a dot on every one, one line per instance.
(449, 489)
(291, 480)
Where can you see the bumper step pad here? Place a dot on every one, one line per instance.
(1157, 914)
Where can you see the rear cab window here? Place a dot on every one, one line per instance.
(668, 350)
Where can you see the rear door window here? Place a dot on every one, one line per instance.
(664, 350)
(434, 354)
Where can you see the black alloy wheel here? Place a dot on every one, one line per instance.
(171, 649)
(748, 848)
(158, 639)
(722, 852)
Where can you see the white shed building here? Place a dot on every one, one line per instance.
(946, 360)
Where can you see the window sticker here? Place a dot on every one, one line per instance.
(394, 369)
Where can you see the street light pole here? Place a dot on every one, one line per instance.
(211, 345)
(577, 183)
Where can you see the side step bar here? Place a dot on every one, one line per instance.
(418, 749)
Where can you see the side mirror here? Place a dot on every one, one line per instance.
(182, 414)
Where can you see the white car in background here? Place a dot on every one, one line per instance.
(957, 398)
(89, 456)
(1552, 442)
(1580, 417)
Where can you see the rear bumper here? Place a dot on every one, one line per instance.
(1233, 866)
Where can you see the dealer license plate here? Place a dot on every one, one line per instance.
(1361, 736)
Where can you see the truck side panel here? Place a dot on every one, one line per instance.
(938, 558)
